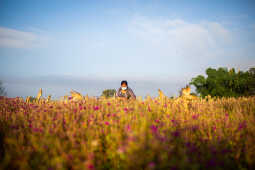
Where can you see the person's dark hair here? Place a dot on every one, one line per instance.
(124, 82)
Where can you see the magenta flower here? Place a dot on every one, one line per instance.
(80, 107)
(195, 128)
(91, 167)
(195, 116)
(214, 128)
(151, 165)
(96, 108)
(149, 109)
(128, 127)
(106, 123)
(176, 133)
(242, 125)
(154, 128)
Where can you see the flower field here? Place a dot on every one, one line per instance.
(138, 134)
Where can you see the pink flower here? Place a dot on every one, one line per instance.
(242, 125)
(149, 109)
(176, 133)
(195, 116)
(151, 165)
(106, 123)
(96, 108)
(154, 128)
(91, 166)
(80, 107)
(128, 127)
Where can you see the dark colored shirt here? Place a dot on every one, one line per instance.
(129, 93)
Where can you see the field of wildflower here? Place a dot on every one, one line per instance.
(137, 134)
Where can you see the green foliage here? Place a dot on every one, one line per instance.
(108, 93)
(2, 90)
(225, 83)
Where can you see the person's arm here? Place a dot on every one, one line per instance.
(118, 93)
(132, 93)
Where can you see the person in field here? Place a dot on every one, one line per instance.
(125, 91)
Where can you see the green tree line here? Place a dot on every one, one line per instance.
(222, 82)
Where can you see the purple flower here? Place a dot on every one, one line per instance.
(195, 128)
(96, 108)
(34, 106)
(91, 166)
(151, 165)
(195, 116)
(106, 123)
(242, 125)
(154, 128)
(214, 128)
(80, 107)
(176, 133)
(128, 127)
(69, 156)
(211, 163)
(225, 151)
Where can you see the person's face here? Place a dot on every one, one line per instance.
(124, 85)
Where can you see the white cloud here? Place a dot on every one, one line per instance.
(190, 39)
(190, 46)
(11, 38)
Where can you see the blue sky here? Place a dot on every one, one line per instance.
(92, 45)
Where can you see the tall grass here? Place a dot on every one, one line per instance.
(136, 134)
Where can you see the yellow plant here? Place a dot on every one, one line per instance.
(39, 94)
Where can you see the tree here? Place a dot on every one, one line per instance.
(251, 82)
(225, 83)
(2, 90)
(108, 93)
